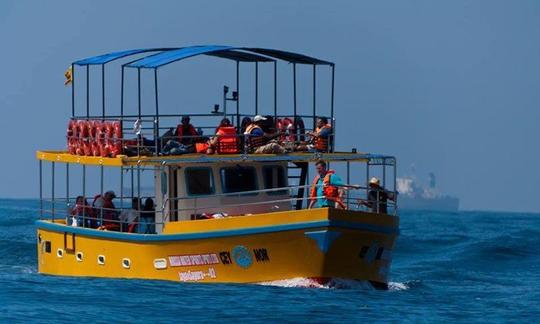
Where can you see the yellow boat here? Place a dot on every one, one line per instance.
(235, 216)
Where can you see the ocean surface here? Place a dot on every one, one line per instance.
(461, 267)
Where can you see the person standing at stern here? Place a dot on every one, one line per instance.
(325, 190)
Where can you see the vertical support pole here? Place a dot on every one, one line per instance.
(52, 189)
(139, 92)
(138, 181)
(314, 95)
(72, 90)
(67, 184)
(275, 90)
(256, 88)
(294, 90)
(122, 94)
(333, 135)
(332, 94)
(101, 179)
(103, 91)
(238, 92)
(348, 181)
(367, 180)
(121, 187)
(87, 91)
(156, 119)
(132, 183)
(41, 188)
(384, 173)
(84, 186)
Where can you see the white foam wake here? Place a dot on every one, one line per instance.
(334, 283)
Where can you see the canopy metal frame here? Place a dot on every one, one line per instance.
(151, 60)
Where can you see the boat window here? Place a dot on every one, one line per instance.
(274, 177)
(199, 181)
(238, 179)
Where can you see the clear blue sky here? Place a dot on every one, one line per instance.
(452, 86)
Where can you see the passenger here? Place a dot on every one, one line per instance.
(148, 218)
(322, 135)
(259, 141)
(378, 196)
(130, 217)
(81, 213)
(105, 211)
(226, 139)
(187, 134)
(325, 188)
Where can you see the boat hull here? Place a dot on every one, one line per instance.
(320, 243)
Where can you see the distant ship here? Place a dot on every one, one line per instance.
(413, 196)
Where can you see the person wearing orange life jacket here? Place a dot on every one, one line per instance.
(186, 132)
(322, 135)
(226, 139)
(325, 189)
(255, 133)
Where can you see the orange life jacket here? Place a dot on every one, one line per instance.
(191, 132)
(321, 144)
(254, 141)
(227, 141)
(330, 192)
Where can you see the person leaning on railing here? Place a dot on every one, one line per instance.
(378, 197)
(325, 188)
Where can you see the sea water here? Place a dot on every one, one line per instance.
(465, 267)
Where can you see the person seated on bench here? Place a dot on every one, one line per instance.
(322, 135)
(226, 139)
(187, 134)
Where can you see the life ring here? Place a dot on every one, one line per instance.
(72, 136)
(288, 130)
(117, 129)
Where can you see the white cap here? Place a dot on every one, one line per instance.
(374, 180)
(259, 118)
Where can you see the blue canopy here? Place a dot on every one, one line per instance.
(168, 55)
(106, 58)
(163, 58)
(288, 56)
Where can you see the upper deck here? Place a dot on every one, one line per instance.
(136, 138)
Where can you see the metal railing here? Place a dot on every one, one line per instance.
(109, 218)
(151, 136)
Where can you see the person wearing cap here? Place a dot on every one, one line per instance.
(378, 196)
(254, 133)
(106, 211)
(186, 132)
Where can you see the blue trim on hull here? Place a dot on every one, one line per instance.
(213, 234)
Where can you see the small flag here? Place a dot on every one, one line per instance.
(69, 76)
